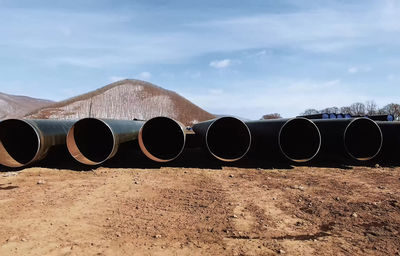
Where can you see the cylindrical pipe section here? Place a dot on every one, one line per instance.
(299, 140)
(359, 138)
(363, 139)
(382, 117)
(316, 116)
(93, 141)
(24, 141)
(226, 138)
(162, 139)
(296, 139)
(391, 141)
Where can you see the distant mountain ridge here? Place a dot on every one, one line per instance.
(125, 99)
(16, 106)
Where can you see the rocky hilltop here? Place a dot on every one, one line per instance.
(126, 99)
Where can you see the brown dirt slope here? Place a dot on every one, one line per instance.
(15, 106)
(126, 99)
(190, 211)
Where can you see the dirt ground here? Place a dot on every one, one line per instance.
(188, 211)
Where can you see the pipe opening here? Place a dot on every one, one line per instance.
(19, 143)
(228, 139)
(90, 141)
(363, 139)
(299, 140)
(162, 139)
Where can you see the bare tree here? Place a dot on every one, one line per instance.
(345, 110)
(371, 107)
(272, 116)
(357, 108)
(331, 110)
(310, 111)
(392, 109)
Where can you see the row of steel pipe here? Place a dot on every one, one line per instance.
(93, 141)
(90, 141)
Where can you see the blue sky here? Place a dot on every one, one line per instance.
(245, 58)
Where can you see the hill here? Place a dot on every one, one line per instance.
(15, 106)
(126, 99)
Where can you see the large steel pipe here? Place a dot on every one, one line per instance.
(162, 139)
(92, 141)
(359, 138)
(381, 117)
(296, 139)
(316, 116)
(227, 138)
(391, 141)
(23, 141)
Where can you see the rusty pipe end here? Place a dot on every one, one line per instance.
(91, 141)
(299, 140)
(228, 139)
(20, 143)
(162, 139)
(363, 139)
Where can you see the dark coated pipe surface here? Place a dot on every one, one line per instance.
(382, 117)
(391, 140)
(359, 138)
(316, 116)
(296, 139)
(226, 138)
(92, 141)
(162, 139)
(24, 141)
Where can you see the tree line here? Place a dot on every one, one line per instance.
(361, 109)
(355, 109)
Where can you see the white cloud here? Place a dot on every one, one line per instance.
(262, 53)
(93, 44)
(116, 78)
(145, 75)
(221, 63)
(354, 70)
(285, 96)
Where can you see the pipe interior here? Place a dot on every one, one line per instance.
(94, 139)
(228, 138)
(19, 141)
(363, 139)
(299, 140)
(163, 138)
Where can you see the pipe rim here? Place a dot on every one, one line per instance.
(147, 152)
(74, 150)
(380, 135)
(319, 144)
(10, 161)
(229, 159)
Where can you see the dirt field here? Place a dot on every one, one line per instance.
(186, 211)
